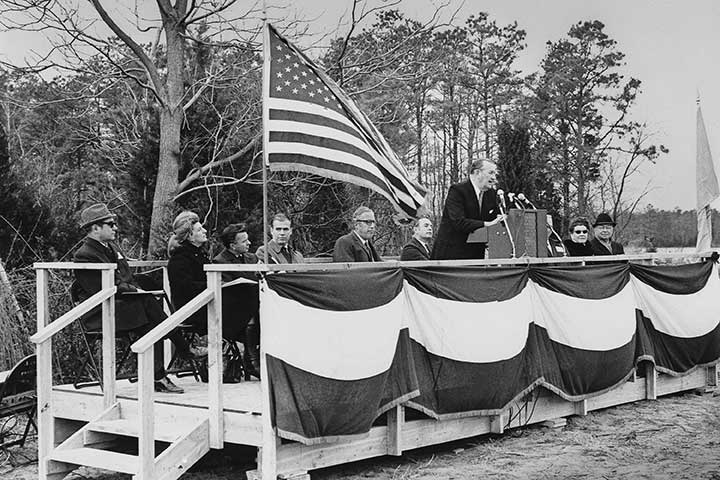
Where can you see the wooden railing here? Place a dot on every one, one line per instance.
(43, 339)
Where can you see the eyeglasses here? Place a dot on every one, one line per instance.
(110, 224)
(366, 222)
(580, 231)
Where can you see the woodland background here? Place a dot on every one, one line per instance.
(157, 116)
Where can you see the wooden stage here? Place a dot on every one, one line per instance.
(392, 435)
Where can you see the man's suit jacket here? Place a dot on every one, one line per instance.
(414, 250)
(600, 249)
(275, 254)
(349, 248)
(131, 312)
(462, 216)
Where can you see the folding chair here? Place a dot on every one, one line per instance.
(17, 397)
(92, 340)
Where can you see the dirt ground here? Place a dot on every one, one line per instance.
(676, 437)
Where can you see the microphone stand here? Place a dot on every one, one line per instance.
(503, 211)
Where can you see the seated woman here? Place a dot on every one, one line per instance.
(188, 279)
(577, 245)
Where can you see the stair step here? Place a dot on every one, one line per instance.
(130, 427)
(91, 457)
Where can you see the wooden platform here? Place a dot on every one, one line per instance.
(400, 431)
(242, 403)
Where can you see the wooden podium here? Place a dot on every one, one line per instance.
(528, 229)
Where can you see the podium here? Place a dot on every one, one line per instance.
(528, 229)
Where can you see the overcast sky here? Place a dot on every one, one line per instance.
(673, 47)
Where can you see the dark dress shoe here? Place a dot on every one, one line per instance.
(166, 385)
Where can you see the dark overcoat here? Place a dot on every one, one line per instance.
(600, 249)
(349, 248)
(414, 250)
(188, 279)
(131, 312)
(462, 216)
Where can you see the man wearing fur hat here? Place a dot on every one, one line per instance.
(138, 312)
(604, 227)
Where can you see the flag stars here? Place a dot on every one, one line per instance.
(278, 48)
(295, 77)
(296, 65)
(288, 56)
(303, 86)
(287, 69)
(295, 91)
(278, 88)
(312, 94)
(312, 82)
(287, 83)
(304, 74)
(279, 74)
(327, 99)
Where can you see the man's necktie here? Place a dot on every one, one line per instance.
(286, 253)
(369, 252)
(480, 199)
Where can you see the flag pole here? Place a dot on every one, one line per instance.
(266, 116)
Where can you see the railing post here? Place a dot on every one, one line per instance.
(146, 439)
(108, 340)
(45, 421)
(215, 361)
(167, 344)
(268, 452)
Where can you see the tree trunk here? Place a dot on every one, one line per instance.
(171, 117)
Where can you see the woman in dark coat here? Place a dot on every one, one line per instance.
(188, 279)
(577, 245)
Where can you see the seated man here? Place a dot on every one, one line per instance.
(356, 246)
(241, 303)
(602, 244)
(419, 246)
(139, 313)
(279, 249)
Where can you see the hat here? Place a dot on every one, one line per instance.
(603, 219)
(95, 214)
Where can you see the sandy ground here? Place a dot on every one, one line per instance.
(676, 437)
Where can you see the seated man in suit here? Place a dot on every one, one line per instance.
(469, 205)
(241, 303)
(357, 246)
(419, 246)
(139, 313)
(279, 249)
(602, 243)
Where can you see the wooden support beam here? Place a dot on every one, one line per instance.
(497, 423)
(555, 422)
(712, 376)
(46, 429)
(581, 408)
(650, 381)
(146, 439)
(215, 362)
(395, 421)
(108, 340)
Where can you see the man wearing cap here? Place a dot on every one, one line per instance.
(604, 227)
(357, 246)
(137, 312)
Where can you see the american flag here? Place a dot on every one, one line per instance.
(312, 126)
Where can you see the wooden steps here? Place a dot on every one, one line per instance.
(92, 457)
(129, 427)
(88, 446)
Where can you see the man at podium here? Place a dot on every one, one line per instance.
(469, 205)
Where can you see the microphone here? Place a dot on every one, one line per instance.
(526, 201)
(515, 201)
(501, 197)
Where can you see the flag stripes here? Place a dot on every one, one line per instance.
(314, 127)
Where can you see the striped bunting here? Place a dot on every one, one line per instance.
(343, 347)
(312, 126)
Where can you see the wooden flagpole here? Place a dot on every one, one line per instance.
(266, 117)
